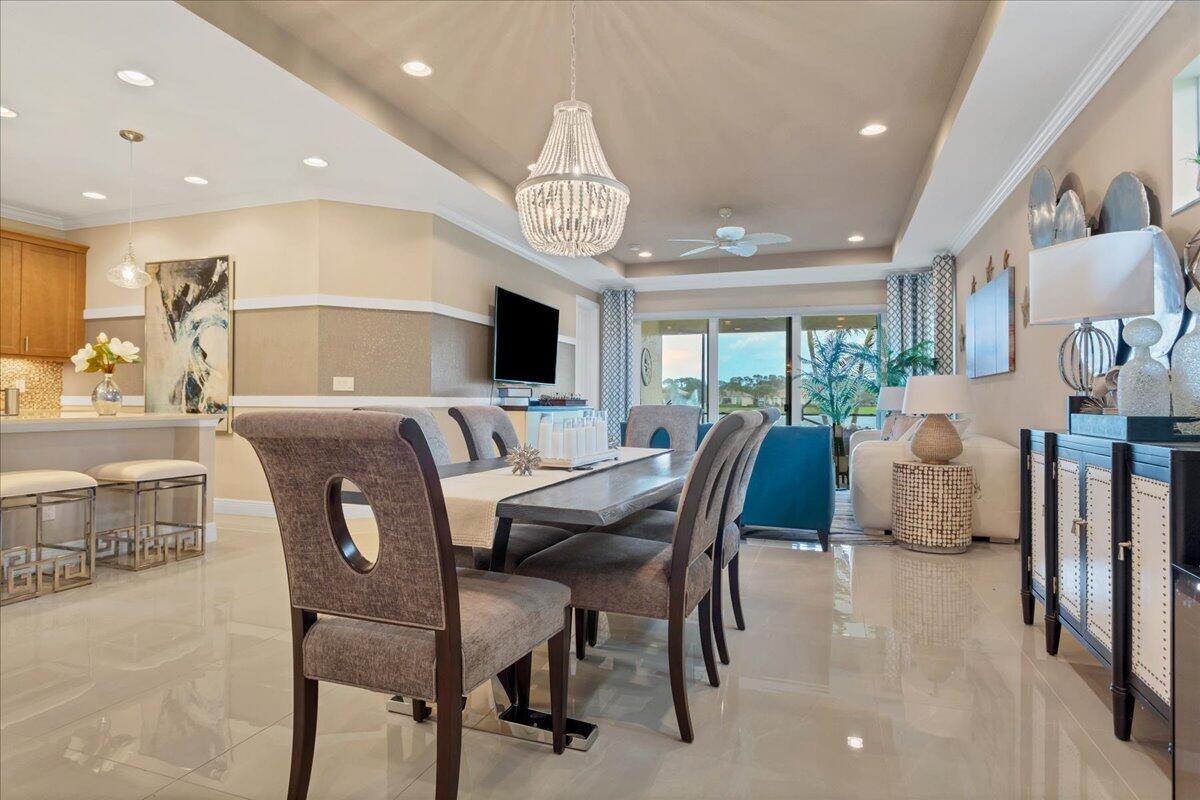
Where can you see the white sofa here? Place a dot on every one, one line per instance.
(996, 463)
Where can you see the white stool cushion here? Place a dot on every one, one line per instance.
(147, 469)
(36, 481)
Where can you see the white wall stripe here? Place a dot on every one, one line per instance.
(349, 401)
(327, 301)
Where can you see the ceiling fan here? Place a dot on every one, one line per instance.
(733, 239)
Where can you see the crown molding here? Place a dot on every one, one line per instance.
(1108, 58)
(33, 217)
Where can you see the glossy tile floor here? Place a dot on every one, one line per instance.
(868, 672)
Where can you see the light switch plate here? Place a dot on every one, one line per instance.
(343, 384)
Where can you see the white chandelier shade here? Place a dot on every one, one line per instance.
(127, 274)
(571, 204)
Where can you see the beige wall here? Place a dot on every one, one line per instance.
(368, 251)
(797, 297)
(1127, 126)
(31, 229)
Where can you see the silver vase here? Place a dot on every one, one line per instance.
(1143, 385)
(107, 397)
(1185, 365)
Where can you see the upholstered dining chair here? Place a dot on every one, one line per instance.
(679, 423)
(659, 525)
(409, 622)
(438, 447)
(484, 427)
(659, 580)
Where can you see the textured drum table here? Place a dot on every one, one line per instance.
(931, 506)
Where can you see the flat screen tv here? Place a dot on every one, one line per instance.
(525, 341)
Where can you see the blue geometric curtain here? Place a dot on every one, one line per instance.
(616, 357)
(920, 307)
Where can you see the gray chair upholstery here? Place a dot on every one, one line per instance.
(642, 577)
(487, 430)
(681, 424)
(433, 434)
(408, 623)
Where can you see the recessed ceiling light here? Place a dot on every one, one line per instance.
(854, 742)
(874, 129)
(644, 254)
(135, 78)
(196, 179)
(418, 69)
(314, 161)
(855, 238)
(95, 196)
(7, 113)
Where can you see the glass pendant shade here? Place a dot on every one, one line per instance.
(571, 204)
(127, 274)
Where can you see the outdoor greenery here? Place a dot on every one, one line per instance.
(897, 367)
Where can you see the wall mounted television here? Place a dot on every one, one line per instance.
(525, 340)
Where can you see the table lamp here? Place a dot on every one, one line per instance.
(1107, 276)
(891, 400)
(935, 396)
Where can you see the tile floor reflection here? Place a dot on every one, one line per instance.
(868, 672)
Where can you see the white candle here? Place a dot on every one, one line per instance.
(545, 429)
(556, 443)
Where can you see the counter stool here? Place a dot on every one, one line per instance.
(145, 544)
(27, 571)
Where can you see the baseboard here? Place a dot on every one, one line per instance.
(266, 508)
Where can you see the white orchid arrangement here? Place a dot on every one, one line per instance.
(105, 354)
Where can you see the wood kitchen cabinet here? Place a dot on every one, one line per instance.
(42, 283)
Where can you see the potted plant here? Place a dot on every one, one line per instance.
(832, 381)
(104, 356)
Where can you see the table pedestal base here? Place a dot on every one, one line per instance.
(528, 724)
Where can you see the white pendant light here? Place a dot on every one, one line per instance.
(571, 204)
(127, 274)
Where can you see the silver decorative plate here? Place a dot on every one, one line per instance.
(1041, 208)
(1070, 221)
(1126, 205)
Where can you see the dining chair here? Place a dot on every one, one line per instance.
(485, 426)
(658, 525)
(679, 423)
(659, 580)
(409, 622)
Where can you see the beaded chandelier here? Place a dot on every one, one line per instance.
(571, 204)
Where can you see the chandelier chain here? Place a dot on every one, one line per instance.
(131, 192)
(572, 49)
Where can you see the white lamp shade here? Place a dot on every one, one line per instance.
(937, 394)
(891, 398)
(1106, 276)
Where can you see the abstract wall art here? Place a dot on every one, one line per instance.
(189, 337)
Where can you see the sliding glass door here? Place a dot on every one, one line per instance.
(824, 335)
(753, 358)
(673, 363)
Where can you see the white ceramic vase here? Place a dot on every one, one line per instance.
(1143, 384)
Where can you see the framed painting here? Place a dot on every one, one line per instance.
(188, 354)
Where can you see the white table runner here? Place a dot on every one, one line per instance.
(471, 500)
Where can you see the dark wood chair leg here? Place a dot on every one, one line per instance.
(823, 538)
(593, 627)
(580, 633)
(678, 679)
(420, 710)
(706, 640)
(449, 722)
(735, 594)
(304, 709)
(718, 615)
(524, 672)
(559, 671)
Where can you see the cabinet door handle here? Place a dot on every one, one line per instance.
(1079, 527)
(26, 350)
(1121, 548)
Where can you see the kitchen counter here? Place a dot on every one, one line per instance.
(80, 440)
(48, 422)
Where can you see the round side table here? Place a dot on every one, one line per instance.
(931, 506)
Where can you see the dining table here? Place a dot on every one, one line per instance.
(591, 496)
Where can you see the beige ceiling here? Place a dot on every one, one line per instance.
(698, 104)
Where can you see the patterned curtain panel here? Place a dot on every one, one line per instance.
(616, 357)
(920, 307)
(941, 284)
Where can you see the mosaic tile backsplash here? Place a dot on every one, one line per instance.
(43, 382)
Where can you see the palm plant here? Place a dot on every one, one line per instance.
(894, 368)
(831, 380)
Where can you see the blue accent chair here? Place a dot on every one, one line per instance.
(793, 481)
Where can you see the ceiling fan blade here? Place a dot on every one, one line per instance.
(766, 238)
(740, 249)
(698, 250)
(697, 241)
(731, 233)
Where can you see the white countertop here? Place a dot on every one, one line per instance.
(50, 422)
